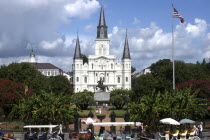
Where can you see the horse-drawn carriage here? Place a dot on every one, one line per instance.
(41, 132)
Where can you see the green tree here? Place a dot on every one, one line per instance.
(150, 108)
(25, 73)
(120, 97)
(197, 72)
(182, 104)
(188, 105)
(143, 85)
(133, 69)
(85, 59)
(60, 84)
(162, 71)
(83, 99)
(43, 108)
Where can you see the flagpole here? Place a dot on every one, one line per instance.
(173, 48)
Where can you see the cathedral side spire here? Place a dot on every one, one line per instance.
(102, 28)
(126, 52)
(77, 53)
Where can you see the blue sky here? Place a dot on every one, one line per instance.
(50, 27)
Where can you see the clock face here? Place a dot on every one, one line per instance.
(102, 49)
(101, 46)
(102, 61)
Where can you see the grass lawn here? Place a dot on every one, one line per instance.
(119, 112)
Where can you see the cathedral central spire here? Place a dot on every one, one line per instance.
(102, 28)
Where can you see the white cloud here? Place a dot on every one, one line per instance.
(198, 29)
(89, 28)
(206, 55)
(148, 45)
(82, 8)
(52, 45)
(136, 20)
(34, 23)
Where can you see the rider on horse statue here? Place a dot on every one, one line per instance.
(101, 85)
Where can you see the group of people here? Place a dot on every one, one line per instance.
(198, 129)
(104, 106)
(60, 129)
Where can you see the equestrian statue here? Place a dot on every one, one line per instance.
(101, 86)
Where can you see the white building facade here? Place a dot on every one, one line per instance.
(102, 65)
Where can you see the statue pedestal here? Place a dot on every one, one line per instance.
(102, 96)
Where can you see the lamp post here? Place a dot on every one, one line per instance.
(90, 114)
(76, 100)
(112, 104)
(127, 116)
(127, 103)
(76, 117)
(113, 117)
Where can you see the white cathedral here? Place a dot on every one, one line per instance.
(102, 65)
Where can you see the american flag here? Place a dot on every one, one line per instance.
(176, 14)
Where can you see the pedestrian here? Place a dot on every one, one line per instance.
(103, 105)
(121, 130)
(96, 110)
(106, 106)
(99, 110)
(60, 129)
(142, 129)
(200, 129)
(50, 129)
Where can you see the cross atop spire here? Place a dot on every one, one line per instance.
(77, 53)
(126, 52)
(102, 28)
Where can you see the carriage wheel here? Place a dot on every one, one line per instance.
(59, 138)
(196, 138)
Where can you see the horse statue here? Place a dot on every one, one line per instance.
(101, 86)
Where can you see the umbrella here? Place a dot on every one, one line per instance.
(89, 120)
(169, 121)
(186, 121)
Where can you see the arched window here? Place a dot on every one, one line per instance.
(104, 51)
(118, 79)
(77, 79)
(85, 80)
(92, 66)
(111, 66)
(126, 79)
(100, 51)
